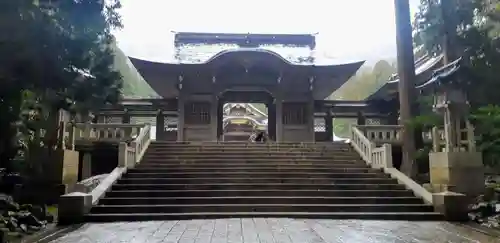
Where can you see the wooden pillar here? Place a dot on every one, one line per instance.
(329, 126)
(126, 117)
(360, 119)
(406, 73)
(160, 125)
(220, 118)
(180, 119)
(271, 121)
(310, 119)
(86, 165)
(214, 118)
(278, 103)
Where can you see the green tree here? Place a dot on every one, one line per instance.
(476, 25)
(476, 29)
(56, 55)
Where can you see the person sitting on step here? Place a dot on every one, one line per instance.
(261, 137)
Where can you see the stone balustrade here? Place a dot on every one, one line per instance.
(379, 155)
(380, 134)
(74, 205)
(106, 132)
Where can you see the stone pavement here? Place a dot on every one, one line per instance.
(270, 230)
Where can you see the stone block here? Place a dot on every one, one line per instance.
(454, 206)
(73, 206)
(461, 172)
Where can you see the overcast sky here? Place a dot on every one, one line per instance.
(348, 29)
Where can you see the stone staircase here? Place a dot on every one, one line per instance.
(216, 180)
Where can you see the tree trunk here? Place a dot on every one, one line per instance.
(406, 73)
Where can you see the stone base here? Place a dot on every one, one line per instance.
(73, 207)
(452, 205)
(460, 172)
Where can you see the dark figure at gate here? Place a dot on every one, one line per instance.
(261, 137)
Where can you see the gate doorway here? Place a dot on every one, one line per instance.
(243, 113)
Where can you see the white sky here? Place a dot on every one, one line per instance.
(348, 29)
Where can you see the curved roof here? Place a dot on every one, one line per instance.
(163, 77)
(423, 71)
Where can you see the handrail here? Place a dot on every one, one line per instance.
(141, 142)
(382, 133)
(102, 132)
(361, 144)
(377, 157)
(381, 158)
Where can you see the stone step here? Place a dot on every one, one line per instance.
(402, 192)
(300, 180)
(247, 144)
(236, 162)
(250, 158)
(262, 186)
(272, 165)
(210, 208)
(217, 168)
(250, 149)
(413, 216)
(253, 153)
(256, 200)
(240, 174)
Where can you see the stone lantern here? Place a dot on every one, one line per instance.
(450, 102)
(458, 166)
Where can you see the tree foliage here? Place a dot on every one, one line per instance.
(56, 55)
(477, 31)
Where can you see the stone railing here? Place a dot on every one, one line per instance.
(377, 157)
(380, 134)
(380, 157)
(73, 206)
(106, 132)
(129, 154)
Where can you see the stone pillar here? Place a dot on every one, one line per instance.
(457, 171)
(180, 120)
(329, 126)
(160, 125)
(278, 103)
(271, 122)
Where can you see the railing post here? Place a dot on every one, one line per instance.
(86, 131)
(71, 136)
(387, 155)
(122, 154)
(471, 141)
(436, 139)
(61, 144)
(136, 149)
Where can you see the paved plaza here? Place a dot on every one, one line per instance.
(274, 231)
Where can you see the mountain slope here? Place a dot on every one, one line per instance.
(134, 84)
